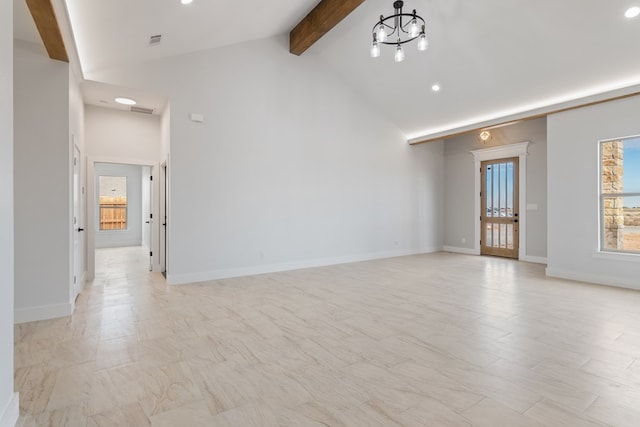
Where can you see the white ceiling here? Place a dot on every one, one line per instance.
(492, 58)
(23, 27)
(103, 95)
(116, 32)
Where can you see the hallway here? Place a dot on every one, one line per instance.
(115, 262)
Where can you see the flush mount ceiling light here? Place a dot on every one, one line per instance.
(125, 101)
(632, 12)
(186, 1)
(435, 87)
(398, 29)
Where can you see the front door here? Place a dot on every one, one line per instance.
(499, 209)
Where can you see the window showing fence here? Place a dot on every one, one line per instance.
(113, 202)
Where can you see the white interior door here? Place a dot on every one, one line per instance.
(78, 266)
(164, 198)
(147, 214)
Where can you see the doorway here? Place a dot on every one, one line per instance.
(164, 209)
(500, 226)
(135, 219)
(78, 246)
(499, 222)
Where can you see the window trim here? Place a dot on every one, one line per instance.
(126, 207)
(603, 252)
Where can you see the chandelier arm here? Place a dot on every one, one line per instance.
(418, 18)
(384, 21)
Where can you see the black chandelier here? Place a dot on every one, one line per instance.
(406, 28)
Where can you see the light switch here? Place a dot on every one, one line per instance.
(198, 118)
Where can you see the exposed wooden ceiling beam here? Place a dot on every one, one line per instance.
(326, 15)
(524, 117)
(47, 24)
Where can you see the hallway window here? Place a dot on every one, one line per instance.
(620, 195)
(113, 202)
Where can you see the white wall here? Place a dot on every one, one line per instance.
(459, 184)
(132, 236)
(8, 400)
(116, 134)
(165, 133)
(42, 183)
(573, 192)
(291, 168)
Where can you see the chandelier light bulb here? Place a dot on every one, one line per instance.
(382, 34)
(399, 56)
(414, 29)
(423, 43)
(375, 49)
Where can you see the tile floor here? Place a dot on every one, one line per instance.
(429, 340)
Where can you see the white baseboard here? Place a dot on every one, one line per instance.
(31, 314)
(620, 282)
(473, 251)
(9, 416)
(457, 250)
(183, 279)
(534, 259)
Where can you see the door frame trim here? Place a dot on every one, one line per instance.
(77, 287)
(91, 207)
(520, 150)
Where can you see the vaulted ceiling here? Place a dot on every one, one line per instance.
(493, 59)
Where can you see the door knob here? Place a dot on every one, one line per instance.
(80, 229)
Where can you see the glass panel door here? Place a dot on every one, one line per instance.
(499, 220)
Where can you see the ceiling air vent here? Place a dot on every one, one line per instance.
(155, 40)
(138, 109)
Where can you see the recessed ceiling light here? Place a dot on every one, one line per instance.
(632, 12)
(125, 101)
(435, 88)
(186, 1)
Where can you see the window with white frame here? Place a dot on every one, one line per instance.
(113, 202)
(620, 195)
